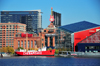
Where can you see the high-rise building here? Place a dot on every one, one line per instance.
(7, 31)
(57, 19)
(32, 19)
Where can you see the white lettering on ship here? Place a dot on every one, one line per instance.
(31, 53)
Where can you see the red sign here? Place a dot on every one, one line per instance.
(51, 18)
(24, 35)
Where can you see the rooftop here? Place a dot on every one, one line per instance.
(79, 26)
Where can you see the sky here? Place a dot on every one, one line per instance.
(72, 11)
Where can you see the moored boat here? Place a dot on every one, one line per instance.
(37, 53)
(5, 55)
(64, 53)
(42, 52)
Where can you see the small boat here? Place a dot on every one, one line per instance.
(40, 52)
(64, 53)
(5, 55)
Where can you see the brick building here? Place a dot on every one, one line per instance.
(7, 31)
(32, 40)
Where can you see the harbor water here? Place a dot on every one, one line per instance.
(49, 61)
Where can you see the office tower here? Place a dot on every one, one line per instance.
(57, 17)
(7, 31)
(32, 19)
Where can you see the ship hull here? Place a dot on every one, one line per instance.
(36, 53)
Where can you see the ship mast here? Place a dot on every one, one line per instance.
(26, 42)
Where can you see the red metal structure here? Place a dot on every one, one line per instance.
(94, 38)
(81, 35)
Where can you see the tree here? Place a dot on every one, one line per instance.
(49, 49)
(3, 49)
(7, 49)
(31, 49)
(20, 48)
(56, 51)
(0, 49)
(10, 50)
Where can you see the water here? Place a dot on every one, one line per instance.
(48, 61)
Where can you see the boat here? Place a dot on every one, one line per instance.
(40, 52)
(5, 55)
(85, 54)
(64, 53)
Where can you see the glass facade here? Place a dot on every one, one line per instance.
(57, 17)
(31, 18)
(63, 39)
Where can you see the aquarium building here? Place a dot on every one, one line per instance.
(80, 36)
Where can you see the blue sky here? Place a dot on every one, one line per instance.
(72, 11)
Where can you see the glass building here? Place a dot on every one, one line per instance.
(31, 18)
(63, 39)
(57, 17)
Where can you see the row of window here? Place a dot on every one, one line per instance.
(6, 46)
(92, 47)
(16, 15)
(19, 12)
(25, 44)
(10, 26)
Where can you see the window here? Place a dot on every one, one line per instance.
(9, 44)
(28, 44)
(25, 44)
(18, 43)
(42, 39)
(6, 44)
(9, 15)
(42, 44)
(21, 43)
(97, 47)
(31, 44)
(44, 30)
(91, 47)
(35, 43)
